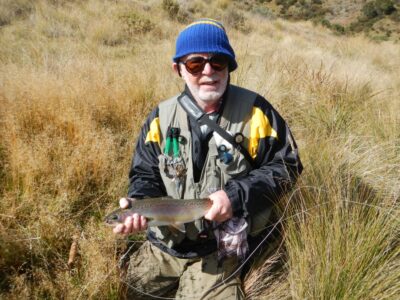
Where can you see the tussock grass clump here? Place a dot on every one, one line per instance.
(345, 243)
(340, 236)
(11, 10)
(75, 87)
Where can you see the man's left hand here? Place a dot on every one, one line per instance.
(221, 209)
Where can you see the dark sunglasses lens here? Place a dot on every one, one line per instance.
(195, 64)
(219, 62)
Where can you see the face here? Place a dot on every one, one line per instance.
(207, 85)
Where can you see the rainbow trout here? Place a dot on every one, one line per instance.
(162, 211)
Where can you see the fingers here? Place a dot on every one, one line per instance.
(221, 209)
(135, 222)
(143, 223)
(129, 225)
(132, 224)
(118, 229)
(218, 213)
(212, 212)
(124, 203)
(126, 227)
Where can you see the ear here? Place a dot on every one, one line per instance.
(175, 68)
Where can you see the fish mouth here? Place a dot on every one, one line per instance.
(112, 220)
(109, 224)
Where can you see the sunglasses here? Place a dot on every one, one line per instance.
(196, 64)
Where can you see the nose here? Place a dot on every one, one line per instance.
(208, 69)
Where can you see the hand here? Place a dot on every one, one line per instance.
(132, 224)
(221, 209)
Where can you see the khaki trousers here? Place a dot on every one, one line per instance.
(153, 272)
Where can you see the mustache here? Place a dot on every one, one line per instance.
(210, 79)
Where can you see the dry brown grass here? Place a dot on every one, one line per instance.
(77, 80)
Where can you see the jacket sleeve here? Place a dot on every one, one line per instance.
(277, 164)
(144, 176)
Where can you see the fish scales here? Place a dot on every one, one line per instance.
(162, 211)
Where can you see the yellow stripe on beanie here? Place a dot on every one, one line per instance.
(207, 21)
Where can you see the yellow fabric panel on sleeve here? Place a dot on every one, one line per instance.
(154, 133)
(260, 127)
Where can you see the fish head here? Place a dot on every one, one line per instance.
(114, 218)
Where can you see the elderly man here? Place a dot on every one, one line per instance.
(229, 145)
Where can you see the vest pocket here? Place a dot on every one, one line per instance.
(238, 166)
(210, 180)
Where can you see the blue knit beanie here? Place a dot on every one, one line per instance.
(204, 36)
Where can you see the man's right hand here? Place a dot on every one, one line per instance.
(132, 224)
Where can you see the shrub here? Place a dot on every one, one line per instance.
(13, 9)
(369, 10)
(223, 4)
(395, 16)
(303, 10)
(134, 23)
(237, 20)
(372, 12)
(264, 11)
(385, 6)
(171, 7)
(286, 3)
(378, 8)
(339, 28)
(326, 23)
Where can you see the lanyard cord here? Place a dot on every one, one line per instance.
(200, 116)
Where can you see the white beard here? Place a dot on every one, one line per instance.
(208, 96)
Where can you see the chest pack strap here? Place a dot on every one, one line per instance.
(192, 109)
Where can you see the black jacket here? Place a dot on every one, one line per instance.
(277, 164)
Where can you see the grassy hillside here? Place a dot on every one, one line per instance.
(77, 79)
(376, 19)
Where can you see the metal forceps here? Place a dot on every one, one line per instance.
(175, 166)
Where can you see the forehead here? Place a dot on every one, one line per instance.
(191, 55)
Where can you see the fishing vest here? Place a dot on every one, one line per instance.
(235, 118)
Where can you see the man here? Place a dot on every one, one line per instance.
(242, 169)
